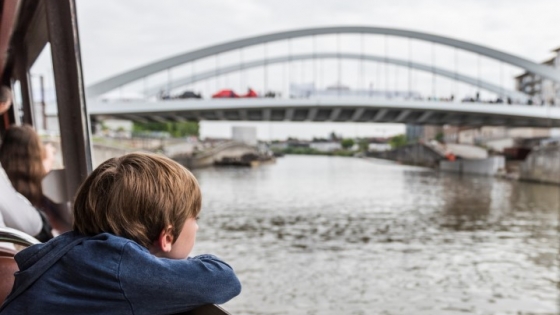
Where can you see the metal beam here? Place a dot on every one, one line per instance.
(266, 114)
(312, 114)
(289, 114)
(72, 111)
(25, 86)
(380, 114)
(243, 115)
(334, 114)
(425, 116)
(136, 118)
(140, 72)
(402, 116)
(220, 115)
(357, 114)
(179, 118)
(159, 119)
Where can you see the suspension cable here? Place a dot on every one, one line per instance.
(339, 63)
(361, 77)
(265, 72)
(433, 70)
(409, 68)
(386, 65)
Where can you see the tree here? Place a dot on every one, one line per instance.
(347, 143)
(175, 129)
(364, 145)
(398, 141)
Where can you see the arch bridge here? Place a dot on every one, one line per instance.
(362, 109)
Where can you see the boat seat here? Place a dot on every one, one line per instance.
(8, 265)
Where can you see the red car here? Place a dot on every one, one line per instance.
(251, 93)
(227, 93)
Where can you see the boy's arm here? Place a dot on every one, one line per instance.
(164, 285)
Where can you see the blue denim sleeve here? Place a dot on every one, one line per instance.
(155, 285)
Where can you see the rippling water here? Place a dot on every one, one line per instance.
(328, 235)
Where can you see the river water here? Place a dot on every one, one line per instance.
(333, 235)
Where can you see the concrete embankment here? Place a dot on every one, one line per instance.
(216, 154)
(490, 166)
(412, 154)
(542, 165)
(432, 156)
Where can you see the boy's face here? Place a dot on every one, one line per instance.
(185, 241)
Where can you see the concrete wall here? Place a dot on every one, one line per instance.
(448, 166)
(489, 166)
(102, 153)
(542, 165)
(414, 154)
(247, 135)
(209, 157)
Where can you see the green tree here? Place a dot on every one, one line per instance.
(398, 141)
(347, 143)
(364, 145)
(175, 129)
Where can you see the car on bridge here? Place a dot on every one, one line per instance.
(227, 93)
(188, 94)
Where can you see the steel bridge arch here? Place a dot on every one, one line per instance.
(140, 72)
(516, 95)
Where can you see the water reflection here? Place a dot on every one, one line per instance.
(348, 236)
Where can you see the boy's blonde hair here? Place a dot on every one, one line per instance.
(136, 196)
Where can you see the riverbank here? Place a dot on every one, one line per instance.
(542, 165)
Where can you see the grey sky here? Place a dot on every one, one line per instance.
(118, 35)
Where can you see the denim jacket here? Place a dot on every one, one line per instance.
(107, 274)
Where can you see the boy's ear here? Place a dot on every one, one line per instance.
(165, 240)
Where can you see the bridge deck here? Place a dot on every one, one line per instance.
(338, 109)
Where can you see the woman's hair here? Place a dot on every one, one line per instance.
(21, 156)
(137, 196)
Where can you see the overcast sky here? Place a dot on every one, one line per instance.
(119, 35)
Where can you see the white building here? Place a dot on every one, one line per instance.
(247, 135)
(542, 90)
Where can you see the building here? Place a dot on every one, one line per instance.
(543, 91)
(247, 135)
(424, 133)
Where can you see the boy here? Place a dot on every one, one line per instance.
(134, 225)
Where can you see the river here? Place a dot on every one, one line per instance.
(334, 235)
